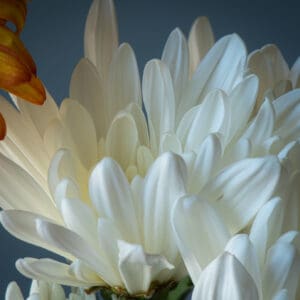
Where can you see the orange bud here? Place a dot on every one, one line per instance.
(14, 11)
(2, 127)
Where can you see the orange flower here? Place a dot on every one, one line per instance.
(17, 68)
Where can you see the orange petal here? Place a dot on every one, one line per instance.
(11, 40)
(32, 91)
(14, 11)
(2, 127)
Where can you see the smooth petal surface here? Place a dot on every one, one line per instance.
(124, 81)
(158, 96)
(201, 39)
(241, 189)
(225, 278)
(133, 260)
(164, 184)
(222, 68)
(176, 57)
(13, 292)
(86, 87)
(101, 35)
(201, 234)
(111, 195)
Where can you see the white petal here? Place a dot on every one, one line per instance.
(201, 39)
(86, 88)
(176, 57)
(170, 142)
(164, 184)
(241, 247)
(111, 195)
(27, 195)
(242, 101)
(222, 68)
(69, 241)
(144, 159)
(13, 292)
(281, 270)
(122, 140)
(200, 233)
(124, 81)
(267, 227)
(287, 109)
(133, 260)
(206, 163)
(22, 225)
(281, 295)
(262, 126)
(101, 34)
(225, 278)
(241, 189)
(209, 118)
(269, 65)
(49, 270)
(82, 130)
(158, 96)
(295, 73)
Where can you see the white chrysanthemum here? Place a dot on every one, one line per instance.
(41, 290)
(265, 265)
(110, 217)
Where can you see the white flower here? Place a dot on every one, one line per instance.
(264, 265)
(41, 290)
(96, 180)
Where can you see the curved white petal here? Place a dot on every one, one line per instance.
(222, 68)
(122, 140)
(176, 57)
(201, 39)
(86, 87)
(101, 34)
(241, 189)
(163, 185)
(111, 195)
(123, 82)
(225, 278)
(133, 260)
(158, 96)
(200, 232)
(13, 292)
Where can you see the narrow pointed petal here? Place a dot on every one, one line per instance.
(192, 218)
(101, 35)
(111, 195)
(164, 184)
(82, 130)
(158, 96)
(122, 140)
(242, 101)
(270, 67)
(225, 278)
(13, 292)
(201, 39)
(86, 87)
(295, 74)
(241, 189)
(176, 57)
(241, 247)
(49, 270)
(124, 81)
(267, 227)
(262, 126)
(222, 68)
(133, 260)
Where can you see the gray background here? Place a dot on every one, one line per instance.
(54, 35)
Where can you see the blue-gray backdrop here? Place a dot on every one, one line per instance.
(54, 34)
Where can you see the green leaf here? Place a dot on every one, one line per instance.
(181, 290)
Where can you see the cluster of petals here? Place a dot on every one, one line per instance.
(41, 290)
(218, 142)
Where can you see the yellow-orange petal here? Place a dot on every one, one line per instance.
(11, 40)
(32, 91)
(2, 127)
(14, 11)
